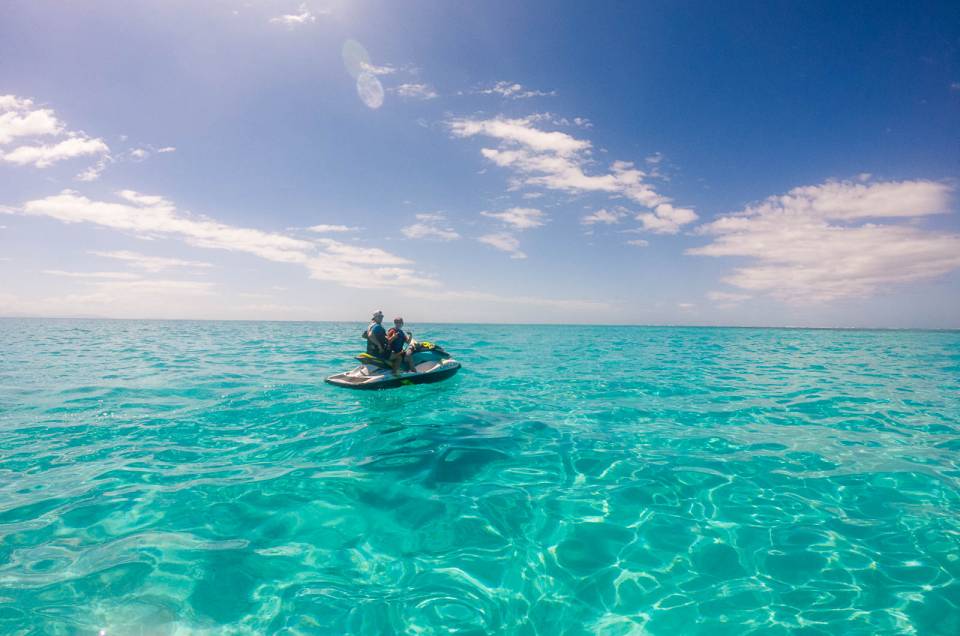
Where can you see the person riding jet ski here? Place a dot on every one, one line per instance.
(397, 339)
(426, 361)
(376, 337)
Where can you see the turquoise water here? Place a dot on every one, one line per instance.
(198, 477)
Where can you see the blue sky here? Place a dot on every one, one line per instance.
(678, 163)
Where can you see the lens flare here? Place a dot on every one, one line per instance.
(370, 90)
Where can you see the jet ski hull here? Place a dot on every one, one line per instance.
(380, 379)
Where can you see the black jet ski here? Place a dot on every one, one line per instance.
(431, 362)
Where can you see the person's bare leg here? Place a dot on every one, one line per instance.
(395, 360)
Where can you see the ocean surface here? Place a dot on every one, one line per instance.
(200, 478)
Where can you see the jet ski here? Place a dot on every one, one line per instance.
(431, 362)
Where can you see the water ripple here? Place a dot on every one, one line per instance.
(198, 477)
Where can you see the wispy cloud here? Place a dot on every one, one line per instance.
(512, 90)
(824, 242)
(304, 16)
(331, 229)
(93, 172)
(519, 218)
(604, 216)
(144, 215)
(381, 69)
(557, 161)
(579, 122)
(522, 133)
(638, 243)
(154, 286)
(47, 155)
(416, 91)
(505, 242)
(93, 275)
(44, 140)
(21, 120)
(154, 216)
(361, 254)
(149, 263)
(430, 226)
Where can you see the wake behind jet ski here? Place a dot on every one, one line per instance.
(430, 363)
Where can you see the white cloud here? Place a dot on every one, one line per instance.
(557, 161)
(19, 118)
(361, 255)
(686, 306)
(512, 90)
(607, 217)
(151, 286)
(330, 229)
(666, 219)
(93, 172)
(148, 215)
(579, 122)
(843, 200)
(166, 149)
(93, 275)
(12, 102)
(519, 218)
(638, 243)
(504, 242)
(520, 131)
(373, 69)
(305, 16)
(149, 263)
(415, 91)
(47, 155)
(428, 227)
(154, 215)
(820, 243)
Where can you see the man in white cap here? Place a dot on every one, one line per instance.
(376, 336)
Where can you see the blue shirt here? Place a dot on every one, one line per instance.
(376, 333)
(398, 341)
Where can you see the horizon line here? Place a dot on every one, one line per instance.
(504, 324)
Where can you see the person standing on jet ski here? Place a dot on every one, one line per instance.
(376, 337)
(397, 340)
